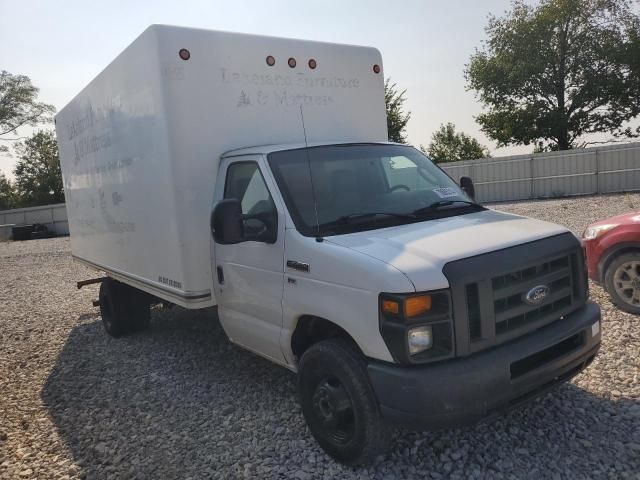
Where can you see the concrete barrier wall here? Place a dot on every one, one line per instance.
(608, 169)
(53, 216)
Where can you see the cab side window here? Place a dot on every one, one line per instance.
(245, 183)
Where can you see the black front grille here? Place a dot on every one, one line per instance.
(489, 291)
(509, 291)
(504, 299)
(533, 316)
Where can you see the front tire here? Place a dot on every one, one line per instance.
(622, 282)
(339, 404)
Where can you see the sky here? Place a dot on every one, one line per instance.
(62, 45)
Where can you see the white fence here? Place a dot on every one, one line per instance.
(608, 169)
(53, 216)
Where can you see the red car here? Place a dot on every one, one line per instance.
(613, 258)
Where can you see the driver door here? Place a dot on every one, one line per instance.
(249, 276)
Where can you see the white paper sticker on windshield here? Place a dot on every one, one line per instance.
(445, 192)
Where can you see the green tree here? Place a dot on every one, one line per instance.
(552, 73)
(7, 193)
(397, 118)
(19, 105)
(447, 145)
(37, 172)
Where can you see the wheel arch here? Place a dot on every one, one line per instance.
(612, 253)
(311, 329)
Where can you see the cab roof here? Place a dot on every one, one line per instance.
(266, 149)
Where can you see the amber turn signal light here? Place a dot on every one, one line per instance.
(414, 306)
(389, 306)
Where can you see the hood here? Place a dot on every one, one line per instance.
(420, 250)
(624, 219)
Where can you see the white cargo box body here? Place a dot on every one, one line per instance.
(140, 145)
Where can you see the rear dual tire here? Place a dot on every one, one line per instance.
(124, 309)
(339, 404)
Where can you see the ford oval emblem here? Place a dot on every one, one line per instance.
(537, 294)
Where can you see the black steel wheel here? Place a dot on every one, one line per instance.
(333, 411)
(339, 404)
(622, 281)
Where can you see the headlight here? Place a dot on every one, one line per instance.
(419, 339)
(417, 327)
(595, 231)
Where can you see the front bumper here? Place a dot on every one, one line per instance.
(462, 391)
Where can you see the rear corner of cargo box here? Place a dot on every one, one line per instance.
(190, 234)
(192, 165)
(118, 178)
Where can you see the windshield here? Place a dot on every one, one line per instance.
(343, 188)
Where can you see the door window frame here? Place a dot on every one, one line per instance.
(264, 181)
(226, 163)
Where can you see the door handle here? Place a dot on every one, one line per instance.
(303, 267)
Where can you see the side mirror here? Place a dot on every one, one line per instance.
(466, 184)
(226, 222)
(229, 226)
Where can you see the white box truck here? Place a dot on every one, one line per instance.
(206, 168)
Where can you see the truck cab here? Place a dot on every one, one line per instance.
(455, 311)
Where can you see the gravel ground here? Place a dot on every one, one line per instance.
(179, 401)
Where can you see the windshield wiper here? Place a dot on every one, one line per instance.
(347, 219)
(355, 216)
(442, 203)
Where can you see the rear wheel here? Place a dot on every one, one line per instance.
(622, 281)
(139, 310)
(339, 404)
(123, 308)
(113, 308)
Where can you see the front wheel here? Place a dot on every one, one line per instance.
(339, 404)
(622, 281)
